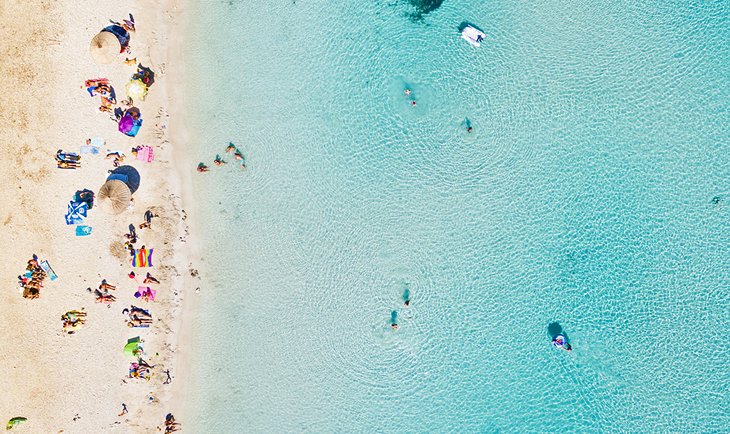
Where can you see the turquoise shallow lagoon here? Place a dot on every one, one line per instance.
(593, 192)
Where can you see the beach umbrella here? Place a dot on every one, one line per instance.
(132, 347)
(127, 174)
(136, 90)
(114, 196)
(15, 421)
(105, 47)
(126, 123)
(130, 122)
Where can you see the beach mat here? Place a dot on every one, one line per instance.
(45, 266)
(83, 230)
(142, 258)
(146, 154)
(76, 212)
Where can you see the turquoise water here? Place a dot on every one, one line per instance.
(593, 192)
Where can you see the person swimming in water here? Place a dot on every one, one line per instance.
(394, 320)
(202, 167)
(407, 297)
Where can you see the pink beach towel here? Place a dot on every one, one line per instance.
(145, 293)
(146, 154)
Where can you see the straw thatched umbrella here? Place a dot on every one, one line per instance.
(105, 47)
(114, 196)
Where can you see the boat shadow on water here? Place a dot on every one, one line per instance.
(554, 329)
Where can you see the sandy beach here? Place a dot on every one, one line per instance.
(77, 383)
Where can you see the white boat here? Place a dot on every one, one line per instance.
(473, 36)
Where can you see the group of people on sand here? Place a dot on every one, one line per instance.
(102, 294)
(170, 424)
(73, 320)
(131, 236)
(138, 317)
(32, 280)
(219, 161)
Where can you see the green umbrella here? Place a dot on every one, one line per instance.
(132, 346)
(15, 421)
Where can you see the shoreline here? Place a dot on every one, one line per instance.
(77, 383)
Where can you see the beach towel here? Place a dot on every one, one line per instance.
(76, 212)
(49, 271)
(88, 149)
(82, 230)
(145, 153)
(145, 293)
(142, 258)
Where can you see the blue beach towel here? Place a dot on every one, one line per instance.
(88, 149)
(83, 230)
(49, 271)
(76, 212)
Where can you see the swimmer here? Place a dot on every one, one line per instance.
(394, 326)
(469, 129)
(413, 103)
(407, 303)
(231, 147)
(202, 168)
(407, 92)
(218, 161)
(238, 155)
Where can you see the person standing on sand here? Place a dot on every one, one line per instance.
(124, 410)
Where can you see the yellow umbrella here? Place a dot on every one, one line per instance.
(114, 196)
(136, 90)
(105, 47)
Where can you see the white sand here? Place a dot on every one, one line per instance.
(48, 376)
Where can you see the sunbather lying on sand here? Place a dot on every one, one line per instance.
(102, 297)
(137, 312)
(139, 323)
(150, 279)
(68, 165)
(72, 320)
(67, 156)
(105, 286)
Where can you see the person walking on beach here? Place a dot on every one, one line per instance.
(124, 410)
(168, 380)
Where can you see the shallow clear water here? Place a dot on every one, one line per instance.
(584, 196)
